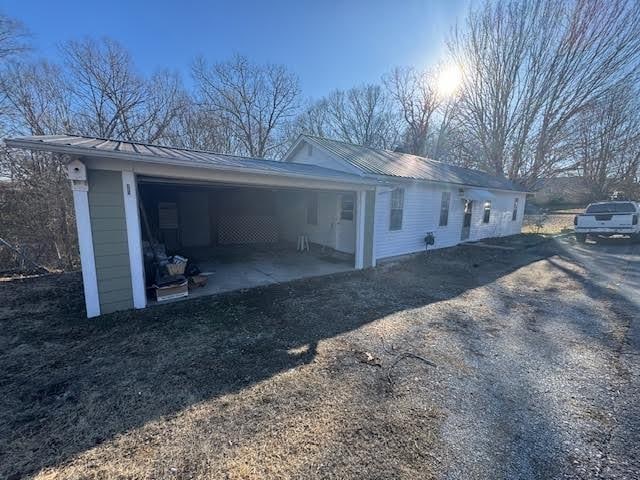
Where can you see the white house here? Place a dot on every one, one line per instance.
(421, 195)
(240, 219)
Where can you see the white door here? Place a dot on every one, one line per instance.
(345, 223)
(195, 229)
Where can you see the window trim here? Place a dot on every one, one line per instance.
(486, 213)
(392, 227)
(444, 222)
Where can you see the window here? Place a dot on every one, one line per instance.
(346, 207)
(397, 206)
(312, 209)
(487, 212)
(514, 215)
(611, 207)
(444, 209)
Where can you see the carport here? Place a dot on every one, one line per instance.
(245, 236)
(238, 218)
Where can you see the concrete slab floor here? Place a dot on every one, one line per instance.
(235, 268)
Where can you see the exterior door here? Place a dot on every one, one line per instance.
(466, 221)
(345, 223)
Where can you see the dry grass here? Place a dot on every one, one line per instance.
(264, 384)
(549, 224)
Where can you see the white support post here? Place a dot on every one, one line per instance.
(85, 243)
(360, 214)
(134, 238)
(374, 260)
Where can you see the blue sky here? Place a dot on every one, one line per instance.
(328, 44)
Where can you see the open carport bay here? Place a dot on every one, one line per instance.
(247, 236)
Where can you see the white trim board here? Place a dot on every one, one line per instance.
(85, 243)
(134, 238)
(360, 220)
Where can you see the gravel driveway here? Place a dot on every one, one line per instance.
(537, 374)
(555, 385)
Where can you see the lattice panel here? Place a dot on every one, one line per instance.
(244, 229)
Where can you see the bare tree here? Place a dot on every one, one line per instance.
(531, 67)
(111, 100)
(165, 103)
(417, 98)
(13, 38)
(201, 129)
(106, 90)
(37, 98)
(607, 141)
(361, 115)
(255, 100)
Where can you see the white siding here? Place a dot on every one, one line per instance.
(292, 211)
(500, 223)
(319, 157)
(422, 215)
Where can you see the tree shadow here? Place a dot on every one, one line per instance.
(69, 384)
(529, 407)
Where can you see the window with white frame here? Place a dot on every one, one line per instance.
(444, 209)
(487, 212)
(514, 215)
(397, 208)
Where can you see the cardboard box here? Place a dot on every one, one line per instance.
(198, 281)
(171, 292)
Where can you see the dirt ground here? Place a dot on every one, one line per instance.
(462, 363)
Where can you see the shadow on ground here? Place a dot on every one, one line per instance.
(69, 384)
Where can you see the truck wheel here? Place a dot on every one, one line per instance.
(581, 237)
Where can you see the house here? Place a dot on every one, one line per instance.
(239, 219)
(421, 195)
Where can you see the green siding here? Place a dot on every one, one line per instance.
(109, 231)
(369, 215)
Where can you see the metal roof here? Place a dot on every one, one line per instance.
(141, 152)
(395, 164)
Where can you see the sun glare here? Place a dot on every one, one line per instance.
(449, 80)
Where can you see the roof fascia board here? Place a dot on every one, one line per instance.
(161, 161)
(180, 172)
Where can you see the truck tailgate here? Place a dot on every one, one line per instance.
(605, 220)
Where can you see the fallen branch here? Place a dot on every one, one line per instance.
(398, 357)
(23, 256)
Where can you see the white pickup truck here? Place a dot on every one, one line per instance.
(606, 219)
